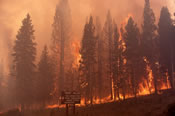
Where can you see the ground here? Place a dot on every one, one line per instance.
(150, 105)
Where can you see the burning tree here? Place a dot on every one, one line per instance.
(122, 72)
(116, 51)
(87, 62)
(119, 61)
(167, 52)
(108, 34)
(61, 41)
(100, 58)
(132, 55)
(24, 58)
(149, 41)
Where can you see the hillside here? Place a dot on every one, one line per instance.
(150, 105)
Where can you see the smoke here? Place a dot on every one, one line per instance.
(12, 12)
(5, 41)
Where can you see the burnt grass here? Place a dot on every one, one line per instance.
(149, 105)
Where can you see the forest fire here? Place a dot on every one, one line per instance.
(144, 90)
(76, 53)
(165, 86)
(54, 106)
(87, 60)
(147, 86)
(125, 21)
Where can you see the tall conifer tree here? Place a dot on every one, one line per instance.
(108, 33)
(24, 58)
(150, 42)
(115, 61)
(45, 80)
(132, 55)
(87, 62)
(165, 31)
(61, 35)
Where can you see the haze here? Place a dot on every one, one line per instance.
(12, 12)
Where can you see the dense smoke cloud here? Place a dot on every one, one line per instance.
(12, 12)
(5, 41)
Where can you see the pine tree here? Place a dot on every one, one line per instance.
(108, 32)
(87, 62)
(149, 41)
(24, 58)
(166, 44)
(122, 73)
(61, 41)
(132, 54)
(45, 80)
(100, 58)
(115, 61)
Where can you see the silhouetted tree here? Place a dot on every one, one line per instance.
(87, 62)
(61, 41)
(149, 41)
(45, 80)
(108, 34)
(116, 61)
(167, 44)
(122, 72)
(132, 54)
(100, 58)
(72, 81)
(24, 58)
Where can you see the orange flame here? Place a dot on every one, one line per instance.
(145, 88)
(76, 53)
(125, 21)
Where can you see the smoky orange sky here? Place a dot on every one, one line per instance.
(12, 12)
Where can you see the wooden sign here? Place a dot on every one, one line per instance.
(70, 97)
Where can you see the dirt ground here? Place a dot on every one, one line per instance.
(151, 105)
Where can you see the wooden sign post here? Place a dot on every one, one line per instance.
(70, 98)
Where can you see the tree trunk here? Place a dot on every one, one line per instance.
(22, 109)
(154, 70)
(134, 82)
(147, 81)
(111, 87)
(61, 80)
(118, 93)
(110, 65)
(172, 66)
(124, 97)
(170, 78)
(115, 95)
